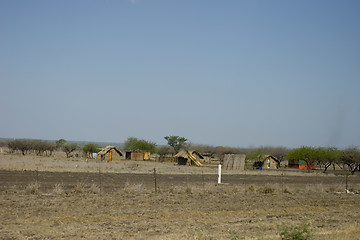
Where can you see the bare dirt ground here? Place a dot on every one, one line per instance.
(56, 198)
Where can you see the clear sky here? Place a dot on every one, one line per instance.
(231, 73)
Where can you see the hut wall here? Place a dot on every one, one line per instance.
(234, 162)
(138, 156)
(270, 163)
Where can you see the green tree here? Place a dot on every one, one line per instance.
(351, 158)
(90, 148)
(60, 143)
(134, 144)
(69, 148)
(307, 154)
(327, 157)
(176, 142)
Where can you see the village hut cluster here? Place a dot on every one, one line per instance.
(194, 158)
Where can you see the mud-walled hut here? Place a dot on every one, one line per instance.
(110, 153)
(137, 156)
(188, 157)
(271, 162)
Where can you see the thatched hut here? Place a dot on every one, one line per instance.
(270, 162)
(234, 162)
(138, 156)
(111, 153)
(188, 157)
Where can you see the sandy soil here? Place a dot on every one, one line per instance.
(61, 201)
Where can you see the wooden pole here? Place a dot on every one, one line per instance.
(346, 182)
(155, 180)
(99, 177)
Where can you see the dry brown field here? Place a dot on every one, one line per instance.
(58, 198)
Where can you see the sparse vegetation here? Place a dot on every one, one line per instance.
(296, 232)
(69, 148)
(39, 147)
(351, 158)
(32, 188)
(58, 189)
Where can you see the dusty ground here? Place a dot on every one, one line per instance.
(120, 202)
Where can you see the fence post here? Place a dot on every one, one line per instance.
(155, 180)
(100, 177)
(219, 172)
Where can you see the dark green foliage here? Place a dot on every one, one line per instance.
(176, 142)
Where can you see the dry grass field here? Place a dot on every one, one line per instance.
(57, 198)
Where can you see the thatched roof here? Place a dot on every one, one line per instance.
(190, 154)
(107, 149)
(271, 157)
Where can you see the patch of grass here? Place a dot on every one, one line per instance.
(79, 188)
(251, 188)
(296, 232)
(134, 188)
(188, 190)
(266, 189)
(95, 189)
(286, 190)
(58, 189)
(32, 188)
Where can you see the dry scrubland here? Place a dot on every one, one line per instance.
(70, 199)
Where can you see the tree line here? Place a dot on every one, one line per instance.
(324, 157)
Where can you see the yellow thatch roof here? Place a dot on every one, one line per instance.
(107, 149)
(190, 154)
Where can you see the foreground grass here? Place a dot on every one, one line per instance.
(179, 212)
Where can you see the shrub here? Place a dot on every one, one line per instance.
(266, 190)
(79, 187)
(58, 189)
(32, 188)
(134, 188)
(296, 232)
(95, 189)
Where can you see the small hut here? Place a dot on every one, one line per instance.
(138, 156)
(301, 164)
(111, 153)
(270, 162)
(234, 162)
(304, 166)
(188, 157)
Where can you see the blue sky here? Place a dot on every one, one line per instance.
(230, 73)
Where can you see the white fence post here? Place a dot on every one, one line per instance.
(219, 178)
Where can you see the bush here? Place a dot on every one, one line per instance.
(58, 189)
(296, 232)
(32, 188)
